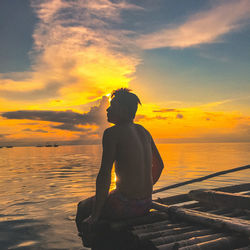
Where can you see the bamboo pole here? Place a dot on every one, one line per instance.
(152, 217)
(243, 217)
(171, 231)
(155, 224)
(223, 243)
(221, 199)
(185, 197)
(195, 205)
(174, 238)
(188, 242)
(158, 227)
(201, 178)
(174, 199)
(151, 225)
(235, 188)
(216, 221)
(243, 248)
(241, 212)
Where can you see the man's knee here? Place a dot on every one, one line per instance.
(80, 204)
(87, 203)
(84, 207)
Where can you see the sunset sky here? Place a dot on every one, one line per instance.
(188, 61)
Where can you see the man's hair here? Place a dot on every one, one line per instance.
(127, 99)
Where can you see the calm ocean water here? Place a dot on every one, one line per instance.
(40, 187)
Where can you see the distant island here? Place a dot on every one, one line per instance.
(47, 145)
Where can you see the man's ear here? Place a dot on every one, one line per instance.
(125, 112)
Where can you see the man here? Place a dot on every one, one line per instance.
(138, 165)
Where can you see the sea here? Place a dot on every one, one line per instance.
(40, 187)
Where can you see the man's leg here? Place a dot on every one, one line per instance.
(84, 210)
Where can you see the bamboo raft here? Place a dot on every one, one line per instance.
(201, 219)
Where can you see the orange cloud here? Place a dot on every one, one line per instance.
(197, 125)
(76, 56)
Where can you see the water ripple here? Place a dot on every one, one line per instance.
(40, 187)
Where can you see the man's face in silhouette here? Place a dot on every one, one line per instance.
(116, 113)
(113, 111)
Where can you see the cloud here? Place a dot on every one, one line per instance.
(166, 110)
(78, 52)
(140, 117)
(29, 123)
(201, 28)
(49, 90)
(148, 118)
(49, 10)
(69, 120)
(35, 130)
(158, 117)
(3, 135)
(88, 46)
(179, 116)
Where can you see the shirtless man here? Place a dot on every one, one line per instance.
(138, 165)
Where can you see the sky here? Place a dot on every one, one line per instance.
(188, 61)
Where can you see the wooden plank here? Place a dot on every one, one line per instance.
(174, 238)
(221, 199)
(167, 232)
(243, 248)
(157, 227)
(216, 221)
(223, 243)
(174, 199)
(149, 225)
(234, 188)
(170, 200)
(152, 217)
(188, 242)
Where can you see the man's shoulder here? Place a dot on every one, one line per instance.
(142, 128)
(109, 136)
(111, 131)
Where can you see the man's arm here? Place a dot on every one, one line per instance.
(103, 179)
(157, 163)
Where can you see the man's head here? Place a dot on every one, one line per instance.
(123, 106)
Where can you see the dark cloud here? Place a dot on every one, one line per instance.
(158, 117)
(3, 135)
(166, 110)
(29, 123)
(44, 115)
(69, 120)
(140, 117)
(71, 127)
(50, 90)
(35, 130)
(179, 116)
(144, 117)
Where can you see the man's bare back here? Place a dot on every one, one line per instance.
(138, 165)
(133, 160)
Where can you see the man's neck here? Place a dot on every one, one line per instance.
(122, 123)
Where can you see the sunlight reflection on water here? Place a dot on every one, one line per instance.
(40, 187)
